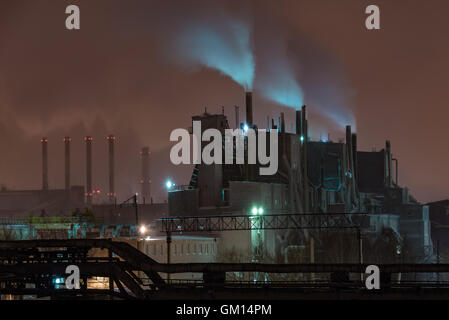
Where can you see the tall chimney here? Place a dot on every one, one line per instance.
(88, 140)
(67, 161)
(350, 153)
(349, 148)
(298, 122)
(44, 142)
(282, 123)
(111, 194)
(249, 109)
(237, 123)
(145, 181)
(389, 171)
(304, 139)
(354, 155)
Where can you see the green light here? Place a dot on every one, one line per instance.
(254, 211)
(302, 138)
(260, 210)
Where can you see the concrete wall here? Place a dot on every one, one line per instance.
(414, 225)
(56, 202)
(244, 195)
(183, 249)
(183, 203)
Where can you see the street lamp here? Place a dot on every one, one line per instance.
(257, 211)
(142, 229)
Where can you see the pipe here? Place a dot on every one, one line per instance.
(354, 155)
(282, 123)
(389, 178)
(67, 162)
(44, 142)
(237, 123)
(145, 181)
(111, 194)
(249, 109)
(88, 140)
(350, 153)
(397, 171)
(305, 138)
(298, 122)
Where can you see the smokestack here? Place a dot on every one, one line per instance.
(67, 161)
(88, 140)
(145, 181)
(354, 155)
(389, 176)
(249, 109)
(282, 123)
(298, 122)
(350, 153)
(111, 194)
(304, 139)
(349, 148)
(44, 142)
(237, 123)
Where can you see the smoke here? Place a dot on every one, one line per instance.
(293, 70)
(123, 73)
(259, 51)
(223, 45)
(276, 78)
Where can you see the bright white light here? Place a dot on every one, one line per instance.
(302, 138)
(143, 229)
(254, 211)
(245, 128)
(260, 210)
(169, 184)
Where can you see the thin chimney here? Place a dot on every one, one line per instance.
(249, 109)
(89, 193)
(282, 123)
(67, 161)
(298, 122)
(111, 193)
(237, 123)
(44, 142)
(146, 181)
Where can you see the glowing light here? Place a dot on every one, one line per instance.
(142, 229)
(169, 184)
(254, 211)
(260, 211)
(245, 128)
(302, 138)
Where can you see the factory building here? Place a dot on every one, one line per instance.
(313, 177)
(439, 218)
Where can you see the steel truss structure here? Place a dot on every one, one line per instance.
(28, 268)
(263, 222)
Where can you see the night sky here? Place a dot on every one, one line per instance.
(138, 69)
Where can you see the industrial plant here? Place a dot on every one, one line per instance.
(214, 156)
(310, 229)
